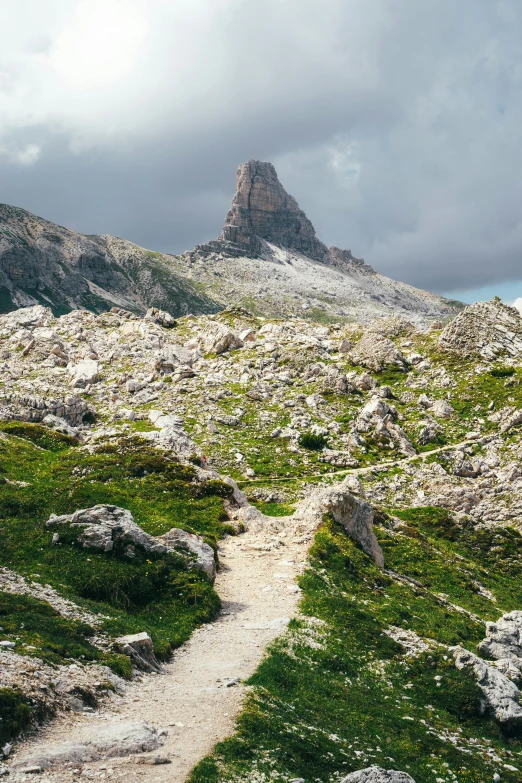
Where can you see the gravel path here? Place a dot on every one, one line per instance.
(200, 695)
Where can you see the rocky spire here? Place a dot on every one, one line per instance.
(261, 208)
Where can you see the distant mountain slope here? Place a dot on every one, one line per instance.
(42, 263)
(267, 258)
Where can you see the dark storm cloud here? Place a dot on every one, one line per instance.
(395, 124)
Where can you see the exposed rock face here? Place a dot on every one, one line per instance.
(504, 638)
(378, 775)
(41, 262)
(261, 208)
(486, 330)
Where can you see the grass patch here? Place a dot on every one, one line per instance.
(40, 630)
(41, 436)
(165, 598)
(337, 694)
(274, 509)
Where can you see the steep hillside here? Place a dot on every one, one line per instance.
(42, 263)
(368, 529)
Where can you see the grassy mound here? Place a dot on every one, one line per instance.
(43, 474)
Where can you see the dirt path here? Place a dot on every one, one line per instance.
(368, 468)
(200, 694)
(194, 699)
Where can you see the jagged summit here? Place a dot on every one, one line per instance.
(261, 208)
(263, 212)
(269, 259)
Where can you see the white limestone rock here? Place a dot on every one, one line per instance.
(501, 695)
(377, 775)
(84, 373)
(180, 539)
(111, 740)
(139, 648)
(377, 353)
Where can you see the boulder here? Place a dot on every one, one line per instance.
(501, 695)
(26, 318)
(442, 409)
(105, 741)
(138, 647)
(171, 434)
(172, 356)
(160, 317)
(486, 330)
(378, 775)
(218, 338)
(391, 326)
(84, 373)
(60, 425)
(100, 527)
(345, 346)
(339, 459)
(377, 353)
(511, 421)
(504, 637)
(377, 417)
(180, 539)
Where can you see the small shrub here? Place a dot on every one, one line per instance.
(312, 442)
(502, 371)
(16, 714)
(41, 436)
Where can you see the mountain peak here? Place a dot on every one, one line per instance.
(262, 209)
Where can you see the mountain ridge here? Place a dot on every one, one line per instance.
(267, 258)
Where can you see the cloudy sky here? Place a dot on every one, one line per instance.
(395, 123)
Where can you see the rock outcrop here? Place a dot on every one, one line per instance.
(503, 642)
(106, 741)
(487, 330)
(268, 253)
(262, 209)
(352, 512)
(377, 352)
(103, 527)
(501, 695)
(378, 775)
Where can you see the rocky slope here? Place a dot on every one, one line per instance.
(134, 451)
(43, 263)
(268, 258)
